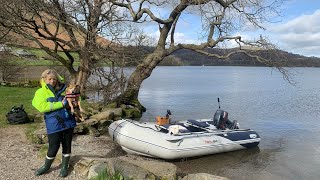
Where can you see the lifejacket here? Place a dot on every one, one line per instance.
(47, 100)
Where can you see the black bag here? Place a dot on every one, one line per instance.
(17, 115)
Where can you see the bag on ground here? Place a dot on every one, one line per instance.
(17, 115)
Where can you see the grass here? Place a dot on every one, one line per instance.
(42, 58)
(42, 54)
(30, 129)
(43, 151)
(15, 96)
(107, 175)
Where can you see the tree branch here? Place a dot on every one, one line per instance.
(173, 29)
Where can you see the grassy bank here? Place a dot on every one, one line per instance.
(15, 96)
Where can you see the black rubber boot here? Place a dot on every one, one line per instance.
(45, 167)
(64, 166)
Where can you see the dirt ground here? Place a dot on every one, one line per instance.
(19, 158)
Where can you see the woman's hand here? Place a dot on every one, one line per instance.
(64, 102)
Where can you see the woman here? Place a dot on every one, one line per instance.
(59, 122)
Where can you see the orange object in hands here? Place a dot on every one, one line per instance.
(162, 120)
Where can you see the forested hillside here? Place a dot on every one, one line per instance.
(187, 57)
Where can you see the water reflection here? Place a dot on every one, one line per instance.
(217, 163)
(285, 116)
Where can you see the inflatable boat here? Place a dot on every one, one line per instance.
(190, 138)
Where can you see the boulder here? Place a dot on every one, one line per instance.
(93, 127)
(82, 167)
(105, 115)
(93, 131)
(132, 113)
(96, 169)
(128, 170)
(103, 126)
(117, 112)
(92, 111)
(80, 129)
(163, 170)
(90, 122)
(203, 176)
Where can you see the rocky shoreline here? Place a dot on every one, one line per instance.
(91, 154)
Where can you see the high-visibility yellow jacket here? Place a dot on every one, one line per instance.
(49, 102)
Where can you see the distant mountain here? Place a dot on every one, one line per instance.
(19, 40)
(188, 57)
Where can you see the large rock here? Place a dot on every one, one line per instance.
(117, 112)
(163, 170)
(108, 114)
(93, 131)
(132, 113)
(96, 169)
(203, 176)
(103, 126)
(91, 122)
(103, 115)
(129, 170)
(93, 127)
(83, 166)
(80, 129)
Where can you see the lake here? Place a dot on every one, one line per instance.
(285, 116)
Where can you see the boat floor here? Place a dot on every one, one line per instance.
(165, 128)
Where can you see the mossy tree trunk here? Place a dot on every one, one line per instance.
(142, 72)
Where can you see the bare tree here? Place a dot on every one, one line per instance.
(10, 67)
(220, 19)
(82, 23)
(68, 26)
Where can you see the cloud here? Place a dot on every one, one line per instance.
(179, 38)
(300, 35)
(183, 39)
(296, 40)
(301, 24)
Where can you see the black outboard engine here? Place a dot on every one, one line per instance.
(221, 121)
(218, 118)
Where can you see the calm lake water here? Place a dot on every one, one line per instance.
(285, 116)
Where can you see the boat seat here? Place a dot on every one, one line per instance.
(163, 128)
(188, 127)
(210, 122)
(197, 123)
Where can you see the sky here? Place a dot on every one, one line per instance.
(297, 30)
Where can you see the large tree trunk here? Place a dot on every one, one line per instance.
(143, 71)
(83, 72)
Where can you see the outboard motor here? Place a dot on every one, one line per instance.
(217, 118)
(221, 121)
(232, 125)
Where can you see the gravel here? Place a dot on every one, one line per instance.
(19, 158)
